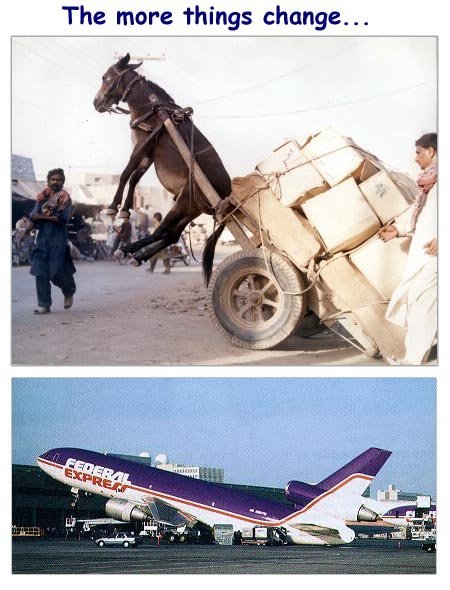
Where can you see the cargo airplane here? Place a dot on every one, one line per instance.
(317, 514)
(404, 515)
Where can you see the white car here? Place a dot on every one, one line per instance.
(119, 540)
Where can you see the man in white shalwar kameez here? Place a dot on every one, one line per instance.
(414, 301)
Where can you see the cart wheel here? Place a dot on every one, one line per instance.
(246, 304)
(126, 544)
(187, 260)
(101, 544)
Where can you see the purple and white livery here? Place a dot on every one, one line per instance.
(318, 514)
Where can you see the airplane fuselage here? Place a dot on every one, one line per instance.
(320, 522)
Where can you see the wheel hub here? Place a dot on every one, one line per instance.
(255, 297)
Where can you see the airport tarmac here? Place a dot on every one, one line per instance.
(60, 556)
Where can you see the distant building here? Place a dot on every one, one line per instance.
(212, 474)
(24, 187)
(100, 189)
(22, 168)
(396, 495)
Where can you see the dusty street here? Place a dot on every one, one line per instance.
(127, 316)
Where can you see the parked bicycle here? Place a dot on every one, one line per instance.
(21, 248)
(179, 251)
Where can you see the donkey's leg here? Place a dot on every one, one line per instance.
(165, 240)
(170, 219)
(128, 171)
(183, 211)
(136, 176)
(137, 155)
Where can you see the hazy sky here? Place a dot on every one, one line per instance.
(249, 94)
(261, 431)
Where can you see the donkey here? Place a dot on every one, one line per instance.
(153, 145)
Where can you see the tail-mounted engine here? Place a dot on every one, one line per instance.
(301, 493)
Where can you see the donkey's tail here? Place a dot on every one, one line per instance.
(208, 253)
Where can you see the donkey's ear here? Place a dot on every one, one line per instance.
(123, 61)
(135, 66)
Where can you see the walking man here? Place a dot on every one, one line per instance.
(51, 259)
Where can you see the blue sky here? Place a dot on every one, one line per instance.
(261, 431)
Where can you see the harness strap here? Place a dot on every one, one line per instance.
(127, 90)
(142, 118)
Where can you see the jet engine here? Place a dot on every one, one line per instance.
(301, 493)
(125, 511)
(366, 515)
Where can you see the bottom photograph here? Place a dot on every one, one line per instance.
(224, 476)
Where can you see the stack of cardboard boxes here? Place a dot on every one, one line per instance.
(347, 196)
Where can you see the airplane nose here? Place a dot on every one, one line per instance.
(45, 457)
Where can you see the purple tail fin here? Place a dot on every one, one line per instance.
(368, 463)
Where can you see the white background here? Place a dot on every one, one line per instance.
(385, 17)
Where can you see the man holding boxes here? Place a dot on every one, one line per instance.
(414, 302)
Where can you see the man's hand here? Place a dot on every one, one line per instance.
(388, 232)
(38, 217)
(431, 247)
(47, 217)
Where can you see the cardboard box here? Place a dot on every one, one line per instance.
(291, 177)
(342, 217)
(350, 291)
(333, 156)
(382, 263)
(289, 231)
(384, 196)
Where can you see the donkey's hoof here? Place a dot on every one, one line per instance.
(124, 215)
(119, 254)
(135, 262)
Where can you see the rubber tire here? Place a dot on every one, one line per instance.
(101, 544)
(126, 544)
(309, 326)
(284, 321)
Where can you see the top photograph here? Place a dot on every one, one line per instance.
(217, 201)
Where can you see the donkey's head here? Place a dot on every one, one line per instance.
(114, 84)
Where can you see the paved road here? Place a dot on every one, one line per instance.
(127, 316)
(361, 557)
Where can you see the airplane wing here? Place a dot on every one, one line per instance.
(167, 514)
(320, 530)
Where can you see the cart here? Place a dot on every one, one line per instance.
(260, 295)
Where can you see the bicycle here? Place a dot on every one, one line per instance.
(22, 248)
